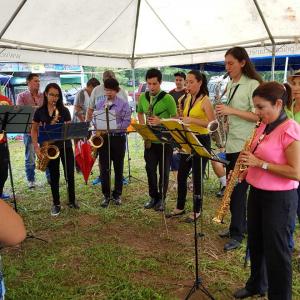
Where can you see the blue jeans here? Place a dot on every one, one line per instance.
(29, 158)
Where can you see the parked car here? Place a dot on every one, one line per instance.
(70, 95)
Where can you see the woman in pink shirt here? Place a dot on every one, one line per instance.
(273, 174)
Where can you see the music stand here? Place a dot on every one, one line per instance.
(63, 132)
(157, 134)
(105, 120)
(14, 119)
(190, 145)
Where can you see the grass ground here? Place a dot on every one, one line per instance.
(122, 252)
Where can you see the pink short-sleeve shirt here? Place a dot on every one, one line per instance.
(272, 150)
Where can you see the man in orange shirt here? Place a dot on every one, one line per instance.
(3, 153)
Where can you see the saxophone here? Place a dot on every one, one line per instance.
(232, 181)
(48, 151)
(180, 106)
(219, 132)
(149, 113)
(96, 141)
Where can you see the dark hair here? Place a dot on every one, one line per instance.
(93, 82)
(111, 84)
(31, 76)
(59, 103)
(200, 77)
(271, 91)
(151, 73)
(248, 69)
(180, 74)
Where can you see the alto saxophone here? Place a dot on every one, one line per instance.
(48, 151)
(180, 106)
(232, 181)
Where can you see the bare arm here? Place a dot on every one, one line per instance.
(141, 118)
(12, 230)
(291, 170)
(34, 137)
(79, 113)
(89, 114)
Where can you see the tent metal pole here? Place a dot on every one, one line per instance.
(285, 69)
(12, 18)
(270, 36)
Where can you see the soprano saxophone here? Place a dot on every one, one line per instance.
(223, 209)
(149, 113)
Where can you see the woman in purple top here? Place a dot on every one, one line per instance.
(114, 146)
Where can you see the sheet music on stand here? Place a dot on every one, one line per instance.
(100, 121)
(63, 131)
(19, 118)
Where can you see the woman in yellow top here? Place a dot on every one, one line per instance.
(197, 113)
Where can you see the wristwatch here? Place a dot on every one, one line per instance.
(265, 166)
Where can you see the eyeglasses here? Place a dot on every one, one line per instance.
(53, 95)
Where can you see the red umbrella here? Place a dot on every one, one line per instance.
(84, 158)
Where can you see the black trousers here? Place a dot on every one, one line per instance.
(183, 173)
(238, 224)
(53, 167)
(153, 158)
(3, 166)
(269, 215)
(117, 154)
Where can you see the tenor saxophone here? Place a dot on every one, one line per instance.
(223, 208)
(48, 150)
(96, 141)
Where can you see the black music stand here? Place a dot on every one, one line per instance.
(106, 120)
(14, 119)
(63, 132)
(190, 145)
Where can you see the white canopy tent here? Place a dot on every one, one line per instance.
(143, 33)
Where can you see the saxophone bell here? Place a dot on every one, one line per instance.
(215, 130)
(48, 152)
(96, 141)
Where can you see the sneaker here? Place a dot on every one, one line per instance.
(125, 181)
(220, 193)
(4, 196)
(96, 181)
(55, 210)
(117, 200)
(31, 184)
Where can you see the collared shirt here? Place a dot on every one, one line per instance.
(26, 98)
(239, 129)
(98, 94)
(121, 109)
(82, 99)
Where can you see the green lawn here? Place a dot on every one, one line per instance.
(122, 252)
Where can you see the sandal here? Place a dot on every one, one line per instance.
(175, 214)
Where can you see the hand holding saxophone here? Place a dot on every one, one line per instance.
(153, 120)
(248, 159)
(223, 110)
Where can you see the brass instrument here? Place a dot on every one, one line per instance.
(96, 141)
(232, 181)
(48, 151)
(149, 113)
(219, 134)
(215, 130)
(180, 106)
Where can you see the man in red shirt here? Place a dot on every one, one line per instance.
(3, 154)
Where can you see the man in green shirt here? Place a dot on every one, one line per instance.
(156, 104)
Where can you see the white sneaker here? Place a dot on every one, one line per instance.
(31, 184)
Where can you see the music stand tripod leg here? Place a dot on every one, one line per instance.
(129, 162)
(163, 199)
(198, 281)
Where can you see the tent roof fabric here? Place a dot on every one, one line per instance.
(122, 33)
